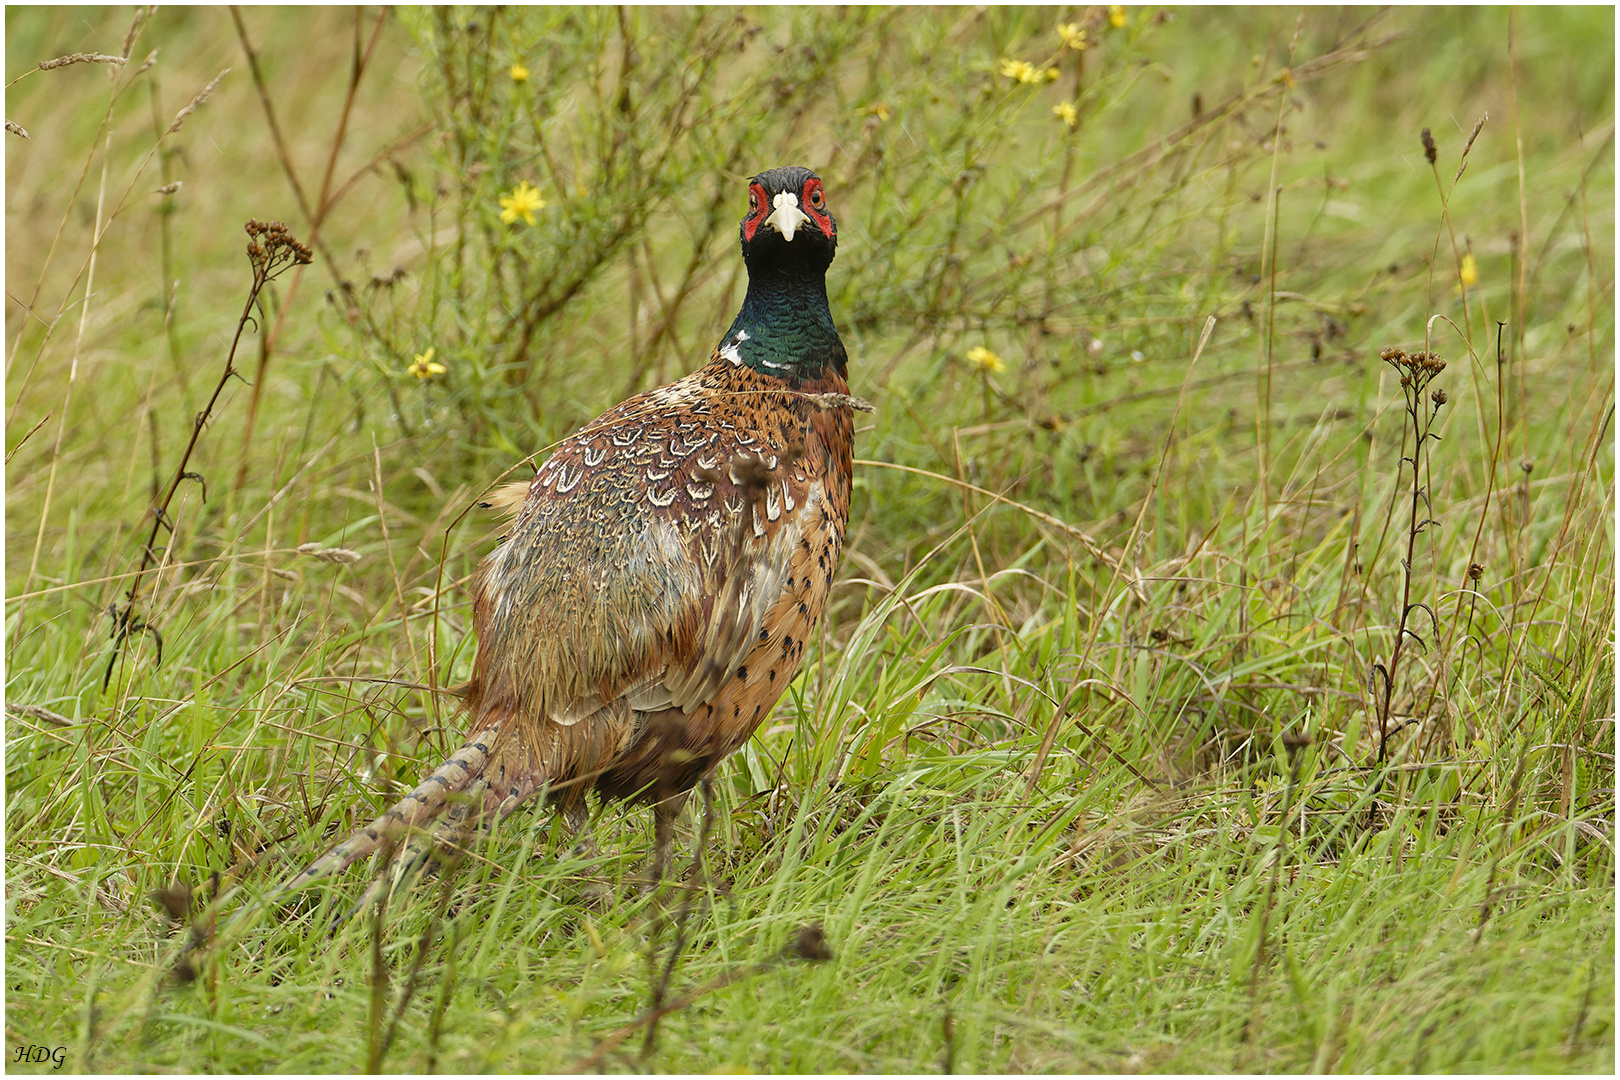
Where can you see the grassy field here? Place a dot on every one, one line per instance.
(1197, 694)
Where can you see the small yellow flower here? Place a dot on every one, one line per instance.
(1066, 112)
(879, 110)
(423, 367)
(523, 203)
(1116, 15)
(1468, 273)
(520, 74)
(1050, 74)
(1073, 35)
(1286, 77)
(985, 360)
(1021, 70)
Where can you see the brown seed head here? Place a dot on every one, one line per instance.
(175, 900)
(1429, 151)
(1475, 571)
(82, 58)
(196, 102)
(811, 944)
(272, 247)
(1438, 396)
(1417, 368)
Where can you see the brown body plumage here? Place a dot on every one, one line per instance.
(654, 595)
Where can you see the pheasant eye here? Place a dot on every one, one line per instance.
(815, 197)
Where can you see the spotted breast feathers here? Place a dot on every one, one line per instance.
(660, 544)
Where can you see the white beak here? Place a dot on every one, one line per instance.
(786, 217)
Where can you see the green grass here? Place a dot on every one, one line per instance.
(1083, 773)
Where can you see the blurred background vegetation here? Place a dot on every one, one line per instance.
(1123, 606)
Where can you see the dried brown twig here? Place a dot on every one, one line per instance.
(271, 249)
(1417, 370)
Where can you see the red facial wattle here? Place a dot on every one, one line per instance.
(814, 204)
(759, 208)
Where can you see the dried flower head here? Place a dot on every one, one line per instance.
(1429, 150)
(1417, 369)
(1438, 396)
(1475, 571)
(1416, 363)
(272, 248)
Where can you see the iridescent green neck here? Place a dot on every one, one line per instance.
(785, 328)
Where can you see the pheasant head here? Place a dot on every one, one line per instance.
(785, 327)
(788, 225)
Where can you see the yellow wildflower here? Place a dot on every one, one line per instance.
(1073, 35)
(520, 74)
(985, 360)
(423, 366)
(1468, 273)
(523, 203)
(1051, 74)
(1116, 15)
(879, 110)
(1066, 112)
(1021, 70)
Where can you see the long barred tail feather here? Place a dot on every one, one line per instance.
(464, 768)
(434, 844)
(475, 813)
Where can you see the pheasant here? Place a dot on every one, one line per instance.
(655, 593)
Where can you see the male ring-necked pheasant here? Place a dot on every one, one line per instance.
(654, 595)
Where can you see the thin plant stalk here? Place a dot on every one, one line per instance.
(1417, 371)
(271, 250)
